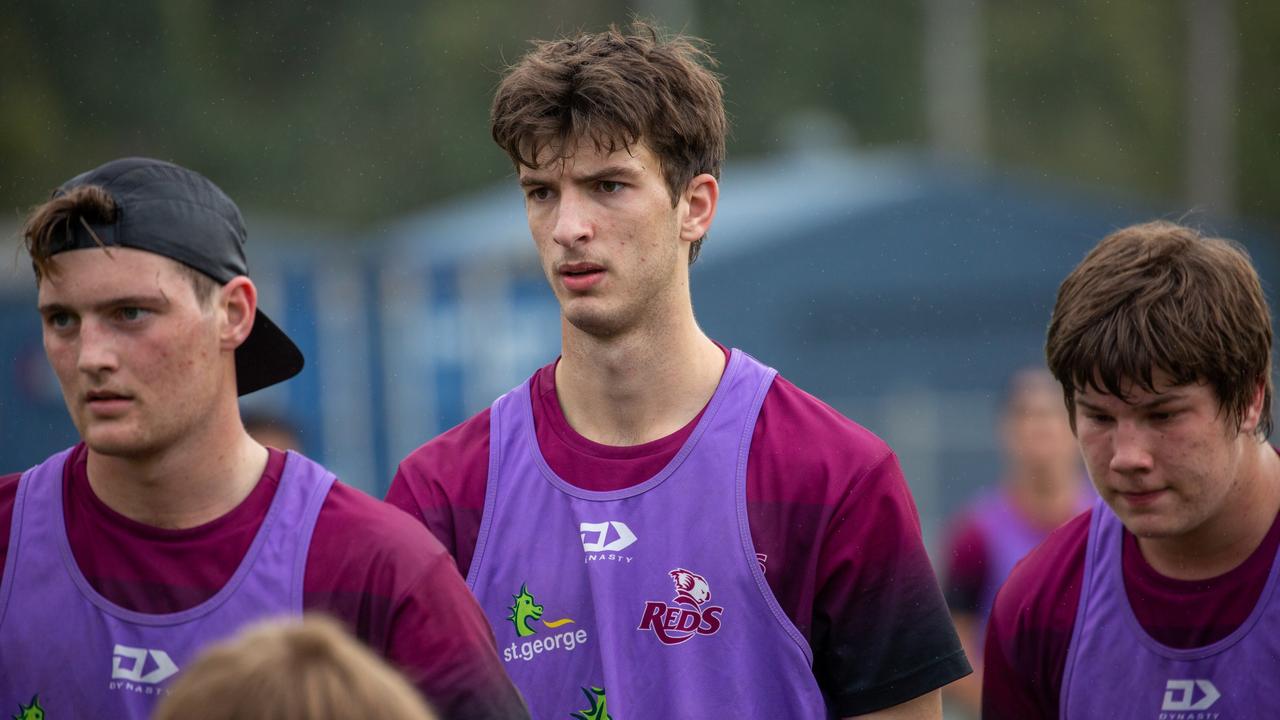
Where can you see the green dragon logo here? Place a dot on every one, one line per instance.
(523, 611)
(30, 712)
(597, 711)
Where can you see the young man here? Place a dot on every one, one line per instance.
(657, 526)
(1041, 488)
(1159, 602)
(168, 527)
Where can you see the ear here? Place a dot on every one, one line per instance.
(1253, 412)
(700, 198)
(237, 305)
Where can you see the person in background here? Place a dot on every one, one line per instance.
(1042, 486)
(288, 670)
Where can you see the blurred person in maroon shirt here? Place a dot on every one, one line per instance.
(1042, 486)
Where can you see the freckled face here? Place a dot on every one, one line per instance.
(136, 353)
(1166, 462)
(607, 234)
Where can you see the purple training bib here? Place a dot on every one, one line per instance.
(68, 652)
(1115, 669)
(646, 602)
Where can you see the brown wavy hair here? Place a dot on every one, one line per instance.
(616, 89)
(85, 205)
(1163, 296)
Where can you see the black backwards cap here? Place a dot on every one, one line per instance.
(178, 213)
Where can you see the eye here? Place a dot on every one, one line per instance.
(132, 314)
(538, 193)
(59, 320)
(610, 187)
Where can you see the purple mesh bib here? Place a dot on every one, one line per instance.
(1009, 538)
(1114, 669)
(646, 602)
(74, 654)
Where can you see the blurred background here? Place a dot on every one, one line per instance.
(907, 183)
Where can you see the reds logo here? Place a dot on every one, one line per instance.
(674, 624)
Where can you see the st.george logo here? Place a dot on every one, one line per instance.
(691, 615)
(525, 611)
(595, 536)
(130, 664)
(1181, 695)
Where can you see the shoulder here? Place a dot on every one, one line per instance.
(1048, 575)
(356, 531)
(8, 496)
(1029, 634)
(964, 564)
(9, 490)
(460, 452)
(814, 441)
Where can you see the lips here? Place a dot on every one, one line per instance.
(1141, 498)
(107, 402)
(580, 276)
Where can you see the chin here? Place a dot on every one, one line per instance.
(115, 444)
(593, 321)
(1153, 527)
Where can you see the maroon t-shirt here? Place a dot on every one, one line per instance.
(1035, 612)
(967, 577)
(828, 510)
(369, 565)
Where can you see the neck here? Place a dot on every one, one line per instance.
(1047, 496)
(1225, 540)
(638, 386)
(198, 479)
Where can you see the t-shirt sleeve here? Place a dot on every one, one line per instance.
(1029, 632)
(390, 580)
(442, 484)
(444, 644)
(882, 631)
(965, 575)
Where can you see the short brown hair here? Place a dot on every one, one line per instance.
(283, 670)
(1162, 296)
(616, 89)
(86, 205)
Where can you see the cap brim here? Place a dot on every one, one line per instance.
(266, 357)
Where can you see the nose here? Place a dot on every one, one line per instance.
(1130, 453)
(96, 349)
(573, 222)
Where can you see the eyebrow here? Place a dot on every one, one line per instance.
(125, 301)
(1149, 405)
(604, 173)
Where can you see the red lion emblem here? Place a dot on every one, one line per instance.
(674, 624)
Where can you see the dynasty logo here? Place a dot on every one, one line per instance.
(691, 615)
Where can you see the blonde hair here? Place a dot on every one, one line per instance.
(289, 670)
